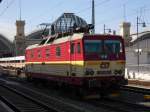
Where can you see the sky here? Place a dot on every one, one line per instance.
(108, 12)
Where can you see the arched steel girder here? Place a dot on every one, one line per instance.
(5, 43)
(36, 34)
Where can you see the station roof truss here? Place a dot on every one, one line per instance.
(5, 44)
(67, 21)
(142, 36)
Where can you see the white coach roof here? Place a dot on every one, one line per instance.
(13, 58)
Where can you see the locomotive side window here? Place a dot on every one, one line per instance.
(72, 48)
(31, 55)
(78, 48)
(58, 51)
(39, 53)
(47, 53)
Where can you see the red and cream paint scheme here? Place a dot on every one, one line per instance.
(64, 60)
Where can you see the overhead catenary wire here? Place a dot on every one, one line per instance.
(90, 7)
(43, 12)
(6, 8)
(96, 5)
(83, 10)
(116, 18)
(129, 15)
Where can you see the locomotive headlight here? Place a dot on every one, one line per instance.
(89, 71)
(104, 56)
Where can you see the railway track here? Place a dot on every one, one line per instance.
(136, 89)
(106, 104)
(47, 101)
(19, 102)
(119, 106)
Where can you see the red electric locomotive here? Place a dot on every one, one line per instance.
(84, 61)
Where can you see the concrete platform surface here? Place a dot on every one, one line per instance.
(139, 83)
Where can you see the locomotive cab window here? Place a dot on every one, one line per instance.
(78, 48)
(93, 47)
(58, 51)
(113, 46)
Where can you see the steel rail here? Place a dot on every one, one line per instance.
(22, 103)
(119, 106)
(136, 89)
(58, 105)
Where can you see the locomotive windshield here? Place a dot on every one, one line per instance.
(93, 46)
(112, 46)
(104, 49)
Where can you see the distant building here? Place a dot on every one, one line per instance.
(144, 48)
(65, 23)
(131, 45)
(143, 41)
(6, 47)
(19, 40)
(34, 37)
(125, 32)
(135, 70)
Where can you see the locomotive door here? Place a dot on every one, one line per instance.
(73, 59)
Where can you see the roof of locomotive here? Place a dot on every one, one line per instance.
(59, 40)
(108, 36)
(75, 36)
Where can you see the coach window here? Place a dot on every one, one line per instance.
(39, 53)
(78, 48)
(72, 48)
(47, 53)
(58, 51)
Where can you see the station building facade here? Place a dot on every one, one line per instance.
(135, 70)
(143, 43)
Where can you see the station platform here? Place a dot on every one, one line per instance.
(139, 83)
